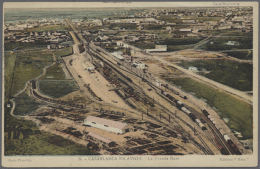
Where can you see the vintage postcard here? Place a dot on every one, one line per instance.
(130, 84)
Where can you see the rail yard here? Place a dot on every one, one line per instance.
(121, 101)
(162, 118)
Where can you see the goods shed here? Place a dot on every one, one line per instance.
(108, 125)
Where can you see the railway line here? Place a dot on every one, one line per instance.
(174, 124)
(97, 52)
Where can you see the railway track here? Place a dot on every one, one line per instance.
(174, 125)
(215, 131)
(117, 69)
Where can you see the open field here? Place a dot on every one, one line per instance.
(56, 88)
(142, 45)
(245, 55)
(29, 65)
(230, 73)
(219, 44)
(62, 52)
(9, 64)
(49, 28)
(11, 45)
(24, 104)
(54, 72)
(172, 48)
(238, 112)
(45, 144)
(180, 41)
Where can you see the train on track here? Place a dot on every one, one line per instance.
(181, 106)
(229, 142)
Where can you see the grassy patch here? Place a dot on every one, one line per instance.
(25, 104)
(219, 44)
(29, 65)
(11, 45)
(54, 72)
(44, 144)
(245, 55)
(9, 64)
(56, 88)
(180, 41)
(238, 112)
(143, 45)
(172, 48)
(63, 52)
(230, 73)
(238, 33)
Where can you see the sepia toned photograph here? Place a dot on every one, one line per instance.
(134, 84)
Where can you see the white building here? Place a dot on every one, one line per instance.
(88, 66)
(118, 55)
(158, 48)
(193, 69)
(108, 125)
(138, 65)
(231, 43)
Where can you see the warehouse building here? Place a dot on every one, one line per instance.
(108, 125)
(88, 66)
(158, 48)
(118, 55)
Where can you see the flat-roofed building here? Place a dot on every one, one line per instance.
(88, 66)
(118, 55)
(108, 125)
(158, 48)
